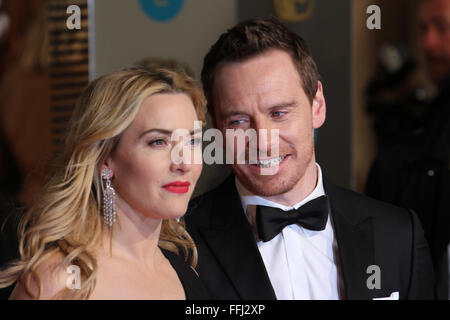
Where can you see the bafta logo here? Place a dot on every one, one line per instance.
(294, 10)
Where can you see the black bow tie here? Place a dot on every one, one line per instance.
(312, 215)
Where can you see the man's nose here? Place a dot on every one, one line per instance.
(264, 127)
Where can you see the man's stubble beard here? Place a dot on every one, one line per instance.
(268, 186)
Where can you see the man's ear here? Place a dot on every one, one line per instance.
(319, 107)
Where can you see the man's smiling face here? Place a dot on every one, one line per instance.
(265, 92)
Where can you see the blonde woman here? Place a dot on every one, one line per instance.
(107, 225)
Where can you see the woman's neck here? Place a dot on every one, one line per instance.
(134, 236)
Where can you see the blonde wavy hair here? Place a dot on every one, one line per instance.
(67, 218)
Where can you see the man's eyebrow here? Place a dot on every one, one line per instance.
(232, 113)
(283, 105)
(168, 132)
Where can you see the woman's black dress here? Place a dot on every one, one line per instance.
(193, 287)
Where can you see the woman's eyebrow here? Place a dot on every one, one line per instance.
(162, 131)
(167, 132)
(229, 114)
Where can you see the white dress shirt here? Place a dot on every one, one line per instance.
(300, 262)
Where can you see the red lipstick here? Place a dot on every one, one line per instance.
(177, 187)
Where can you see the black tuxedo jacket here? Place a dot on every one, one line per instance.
(368, 232)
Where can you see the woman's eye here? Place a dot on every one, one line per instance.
(157, 142)
(196, 141)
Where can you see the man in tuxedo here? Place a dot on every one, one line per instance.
(414, 172)
(277, 228)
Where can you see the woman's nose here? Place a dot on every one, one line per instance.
(184, 156)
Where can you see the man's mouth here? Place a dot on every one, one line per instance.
(269, 163)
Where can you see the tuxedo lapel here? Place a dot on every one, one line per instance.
(354, 234)
(231, 240)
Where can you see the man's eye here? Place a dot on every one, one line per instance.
(277, 114)
(236, 122)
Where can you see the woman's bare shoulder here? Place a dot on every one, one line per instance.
(52, 275)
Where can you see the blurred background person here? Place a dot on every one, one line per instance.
(414, 171)
(42, 72)
(24, 115)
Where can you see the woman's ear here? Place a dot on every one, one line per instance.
(319, 107)
(107, 165)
